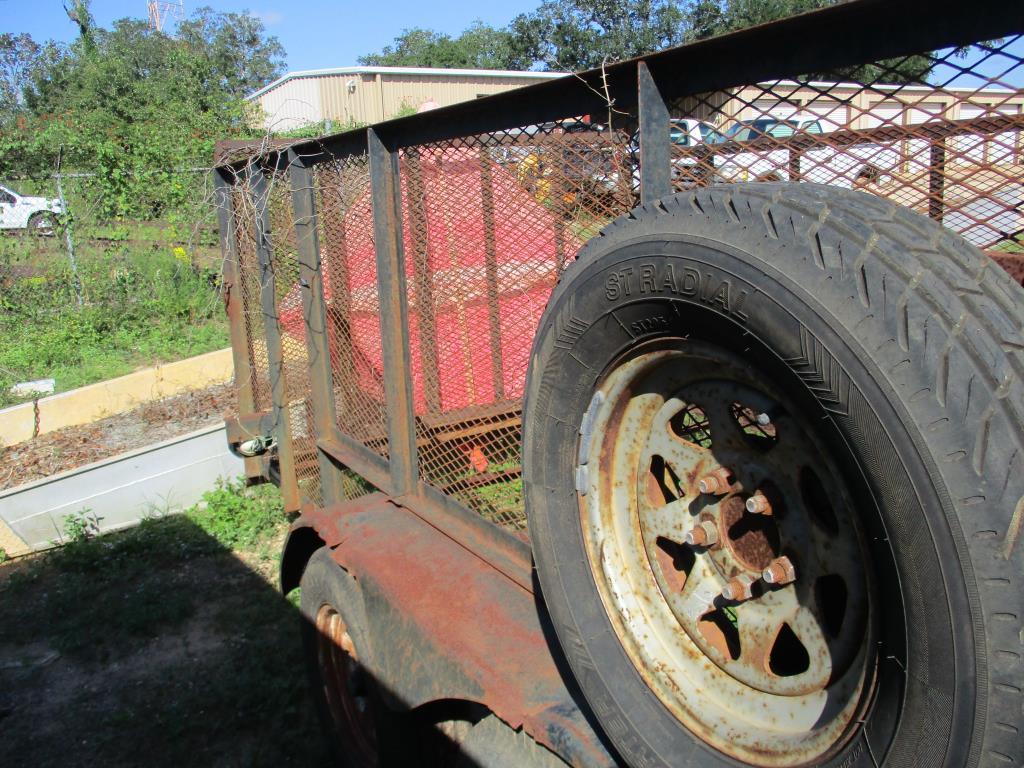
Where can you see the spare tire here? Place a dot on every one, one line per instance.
(773, 457)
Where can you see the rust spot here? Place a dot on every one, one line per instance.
(753, 539)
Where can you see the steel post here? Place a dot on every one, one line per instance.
(655, 141)
(385, 191)
(315, 314)
(260, 194)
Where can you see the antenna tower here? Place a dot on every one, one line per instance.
(165, 13)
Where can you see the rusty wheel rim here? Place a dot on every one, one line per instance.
(728, 554)
(345, 688)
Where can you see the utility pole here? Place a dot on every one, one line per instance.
(165, 13)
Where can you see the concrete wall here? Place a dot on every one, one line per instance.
(120, 491)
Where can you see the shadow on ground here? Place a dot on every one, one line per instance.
(157, 646)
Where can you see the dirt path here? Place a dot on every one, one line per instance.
(159, 648)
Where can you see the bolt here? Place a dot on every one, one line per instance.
(758, 504)
(764, 419)
(705, 534)
(716, 482)
(780, 571)
(739, 588)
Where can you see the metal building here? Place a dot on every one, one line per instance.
(351, 95)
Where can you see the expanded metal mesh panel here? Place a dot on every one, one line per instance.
(249, 281)
(939, 133)
(489, 223)
(288, 304)
(349, 264)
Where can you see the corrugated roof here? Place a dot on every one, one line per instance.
(422, 71)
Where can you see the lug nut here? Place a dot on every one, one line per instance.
(780, 571)
(739, 588)
(758, 504)
(705, 534)
(716, 482)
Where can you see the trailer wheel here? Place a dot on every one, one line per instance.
(360, 729)
(774, 472)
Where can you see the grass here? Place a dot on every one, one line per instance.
(143, 304)
(1009, 246)
(169, 636)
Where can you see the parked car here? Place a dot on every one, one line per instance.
(779, 128)
(844, 166)
(37, 214)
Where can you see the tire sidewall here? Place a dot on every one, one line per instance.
(653, 286)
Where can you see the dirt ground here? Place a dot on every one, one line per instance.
(158, 647)
(77, 446)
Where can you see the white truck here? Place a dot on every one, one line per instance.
(36, 214)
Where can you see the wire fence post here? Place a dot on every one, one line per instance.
(68, 239)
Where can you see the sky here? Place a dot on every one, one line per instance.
(315, 33)
(320, 33)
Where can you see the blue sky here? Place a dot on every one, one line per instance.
(320, 33)
(315, 33)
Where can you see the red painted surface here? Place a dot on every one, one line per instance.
(527, 267)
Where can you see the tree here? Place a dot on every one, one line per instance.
(478, 47)
(134, 105)
(580, 34)
(239, 54)
(22, 62)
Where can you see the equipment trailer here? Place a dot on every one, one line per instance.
(759, 445)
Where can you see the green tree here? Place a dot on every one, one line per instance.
(239, 55)
(22, 62)
(580, 34)
(134, 105)
(478, 47)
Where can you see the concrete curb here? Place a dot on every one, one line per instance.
(106, 398)
(120, 491)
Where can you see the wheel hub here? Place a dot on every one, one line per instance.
(727, 553)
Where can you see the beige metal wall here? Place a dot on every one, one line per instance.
(846, 105)
(290, 105)
(360, 98)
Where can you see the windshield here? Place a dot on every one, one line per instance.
(751, 129)
(679, 133)
(709, 135)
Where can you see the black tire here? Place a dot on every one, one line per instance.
(907, 343)
(41, 224)
(325, 584)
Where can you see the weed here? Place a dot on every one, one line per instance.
(80, 526)
(3, 555)
(144, 304)
(237, 516)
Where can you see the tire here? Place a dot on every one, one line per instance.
(357, 740)
(894, 352)
(41, 224)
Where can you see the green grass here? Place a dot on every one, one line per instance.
(1009, 246)
(176, 635)
(143, 305)
(230, 517)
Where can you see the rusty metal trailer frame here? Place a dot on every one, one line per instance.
(382, 536)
